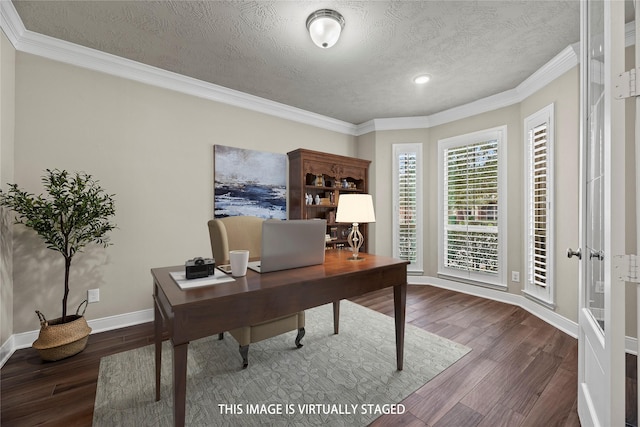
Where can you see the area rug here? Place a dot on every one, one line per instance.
(348, 379)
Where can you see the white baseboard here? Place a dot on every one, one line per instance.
(631, 345)
(6, 350)
(26, 339)
(554, 319)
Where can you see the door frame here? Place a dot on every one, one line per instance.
(601, 356)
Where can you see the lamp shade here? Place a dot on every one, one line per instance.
(324, 27)
(355, 208)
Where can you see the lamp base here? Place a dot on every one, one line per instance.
(355, 240)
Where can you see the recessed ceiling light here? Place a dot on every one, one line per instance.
(421, 79)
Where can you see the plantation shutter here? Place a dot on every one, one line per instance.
(471, 208)
(407, 207)
(537, 213)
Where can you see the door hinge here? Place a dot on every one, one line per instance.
(626, 84)
(627, 268)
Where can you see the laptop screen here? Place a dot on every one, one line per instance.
(291, 244)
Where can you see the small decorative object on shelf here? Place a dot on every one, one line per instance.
(333, 233)
(331, 197)
(317, 199)
(319, 181)
(346, 232)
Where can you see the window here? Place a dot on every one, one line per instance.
(539, 245)
(407, 205)
(472, 206)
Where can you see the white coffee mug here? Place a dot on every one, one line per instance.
(239, 260)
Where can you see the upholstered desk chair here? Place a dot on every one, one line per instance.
(245, 232)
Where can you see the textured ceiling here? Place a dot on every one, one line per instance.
(472, 49)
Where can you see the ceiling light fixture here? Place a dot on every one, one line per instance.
(325, 26)
(421, 79)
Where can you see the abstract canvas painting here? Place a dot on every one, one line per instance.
(249, 182)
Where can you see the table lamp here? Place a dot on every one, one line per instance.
(356, 209)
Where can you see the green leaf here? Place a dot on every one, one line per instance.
(74, 212)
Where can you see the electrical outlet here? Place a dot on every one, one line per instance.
(93, 295)
(515, 276)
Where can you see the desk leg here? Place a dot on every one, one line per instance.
(157, 324)
(336, 316)
(399, 304)
(179, 383)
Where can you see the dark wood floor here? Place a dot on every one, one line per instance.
(521, 371)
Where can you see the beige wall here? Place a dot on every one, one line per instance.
(382, 182)
(365, 149)
(510, 117)
(564, 93)
(7, 98)
(153, 149)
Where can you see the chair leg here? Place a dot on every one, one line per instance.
(221, 335)
(301, 333)
(244, 352)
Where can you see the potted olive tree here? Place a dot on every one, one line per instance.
(75, 212)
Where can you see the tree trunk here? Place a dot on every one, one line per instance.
(67, 266)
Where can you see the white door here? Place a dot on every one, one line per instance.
(601, 359)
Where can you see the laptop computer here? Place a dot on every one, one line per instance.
(291, 244)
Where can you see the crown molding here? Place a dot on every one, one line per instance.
(37, 44)
(27, 41)
(560, 64)
(10, 22)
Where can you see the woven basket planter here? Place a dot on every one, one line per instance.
(59, 340)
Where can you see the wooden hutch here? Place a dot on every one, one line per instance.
(316, 181)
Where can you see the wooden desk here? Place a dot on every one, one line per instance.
(199, 312)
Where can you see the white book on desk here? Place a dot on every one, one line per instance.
(184, 283)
